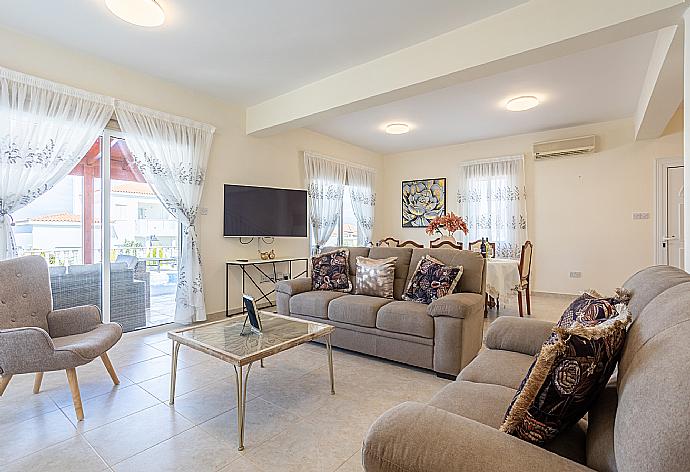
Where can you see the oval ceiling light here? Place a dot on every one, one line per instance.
(138, 12)
(522, 103)
(397, 128)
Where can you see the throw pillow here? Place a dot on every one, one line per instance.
(375, 277)
(432, 279)
(569, 372)
(591, 308)
(330, 271)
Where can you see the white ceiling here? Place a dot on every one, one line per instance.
(246, 51)
(596, 85)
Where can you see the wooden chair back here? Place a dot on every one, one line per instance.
(410, 244)
(438, 243)
(476, 247)
(389, 242)
(526, 261)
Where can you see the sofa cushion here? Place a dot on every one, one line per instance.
(375, 277)
(432, 280)
(356, 309)
(402, 265)
(406, 317)
(648, 283)
(91, 344)
(313, 303)
(486, 404)
(494, 366)
(330, 271)
(471, 262)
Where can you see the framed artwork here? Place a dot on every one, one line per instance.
(422, 201)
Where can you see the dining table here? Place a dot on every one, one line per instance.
(502, 277)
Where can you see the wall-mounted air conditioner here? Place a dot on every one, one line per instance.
(564, 147)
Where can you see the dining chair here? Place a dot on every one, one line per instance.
(410, 244)
(34, 338)
(476, 247)
(525, 269)
(439, 243)
(388, 242)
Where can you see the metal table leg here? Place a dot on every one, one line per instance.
(329, 349)
(241, 383)
(173, 371)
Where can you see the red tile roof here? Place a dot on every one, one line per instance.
(139, 188)
(59, 218)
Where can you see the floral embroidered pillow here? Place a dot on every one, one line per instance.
(330, 271)
(432, 279)
(569, 372)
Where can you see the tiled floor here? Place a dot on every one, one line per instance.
(293, 423)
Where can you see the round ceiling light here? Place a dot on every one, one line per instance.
(138, 12)
(522, 103)
(397, 128)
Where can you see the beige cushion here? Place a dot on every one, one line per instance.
(650, 282)
(375, 277)
(314, 303)
(457, 305)
(406, 317)
(493, 366)
(91, 344)
(356, 309)
(402, 265)
(471, 262)
(25, 298)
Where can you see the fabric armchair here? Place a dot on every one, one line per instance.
(34, 338)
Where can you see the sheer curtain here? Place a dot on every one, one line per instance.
(493, 202)
(45, 130)
(172, 154)
(363, 195)
(325, 188)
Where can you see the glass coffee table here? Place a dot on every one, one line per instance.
(222, 339)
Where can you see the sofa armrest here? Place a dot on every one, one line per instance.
(415, 437)
(518, 334)
(456, 305)
(75, 320)
(22, 349)
(294, 286)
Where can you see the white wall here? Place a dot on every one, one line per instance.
(579, 209)
(235, 157)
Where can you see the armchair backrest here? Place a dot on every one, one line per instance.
(25, 298)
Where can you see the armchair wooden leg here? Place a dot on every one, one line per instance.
(109, 367)
(529, 308)
(37, 382)
(520, 303)
(76, 396)
(4, 381)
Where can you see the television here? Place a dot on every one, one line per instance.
(264, 211)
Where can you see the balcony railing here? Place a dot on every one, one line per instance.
(155, 255)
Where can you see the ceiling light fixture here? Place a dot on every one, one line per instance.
(138, 12)
(522, 103)
(397, 128)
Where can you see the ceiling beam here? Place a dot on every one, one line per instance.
(662, 92)
(536, 31)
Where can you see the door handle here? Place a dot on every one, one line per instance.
(668, 238)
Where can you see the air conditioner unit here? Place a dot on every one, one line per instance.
(564, 147)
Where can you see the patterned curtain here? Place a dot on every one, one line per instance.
(172, 154)
(493, 202)
(363, 195)
(325, 188)
(45, 130)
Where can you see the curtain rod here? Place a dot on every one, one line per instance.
(339, 161)
(491, 160)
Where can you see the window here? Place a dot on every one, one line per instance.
(345, 233)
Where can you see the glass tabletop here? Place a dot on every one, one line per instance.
(223, 339)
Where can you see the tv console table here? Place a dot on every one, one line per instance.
(243, 264)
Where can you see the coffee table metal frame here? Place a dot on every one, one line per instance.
(240, 362)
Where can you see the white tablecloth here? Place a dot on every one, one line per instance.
(502, 277)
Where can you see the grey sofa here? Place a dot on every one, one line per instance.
(641, 422)
(443, 336)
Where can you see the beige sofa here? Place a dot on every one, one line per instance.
(641, 422)
(443, 336)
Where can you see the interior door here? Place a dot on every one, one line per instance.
(674, 237)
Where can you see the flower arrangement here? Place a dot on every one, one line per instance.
(449, 223)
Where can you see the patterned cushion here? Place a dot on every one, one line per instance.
(432, 280)
(375, 276)
(330, 271)
(590, 308)
(573, 367)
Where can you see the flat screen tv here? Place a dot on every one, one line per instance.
(264, 211)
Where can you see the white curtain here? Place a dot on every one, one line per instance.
(172, 154)
(363, 196)
(45, 130)
(493, 202)
(325, 188)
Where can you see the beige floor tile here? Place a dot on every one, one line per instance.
(73, 455)
(193, 449)
(150, 369)
(263, 420)
(241, 465)
(208, 402)
(15, 408)
(353, 464)
(133, 434)
(32, 435)
(110, 407)
(93, 381)
(132, 351)
(189, 379)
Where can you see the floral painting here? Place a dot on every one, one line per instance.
(422, 201)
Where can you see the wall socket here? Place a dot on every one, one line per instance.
(203, 211)
(640, 216)
(576, 275)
